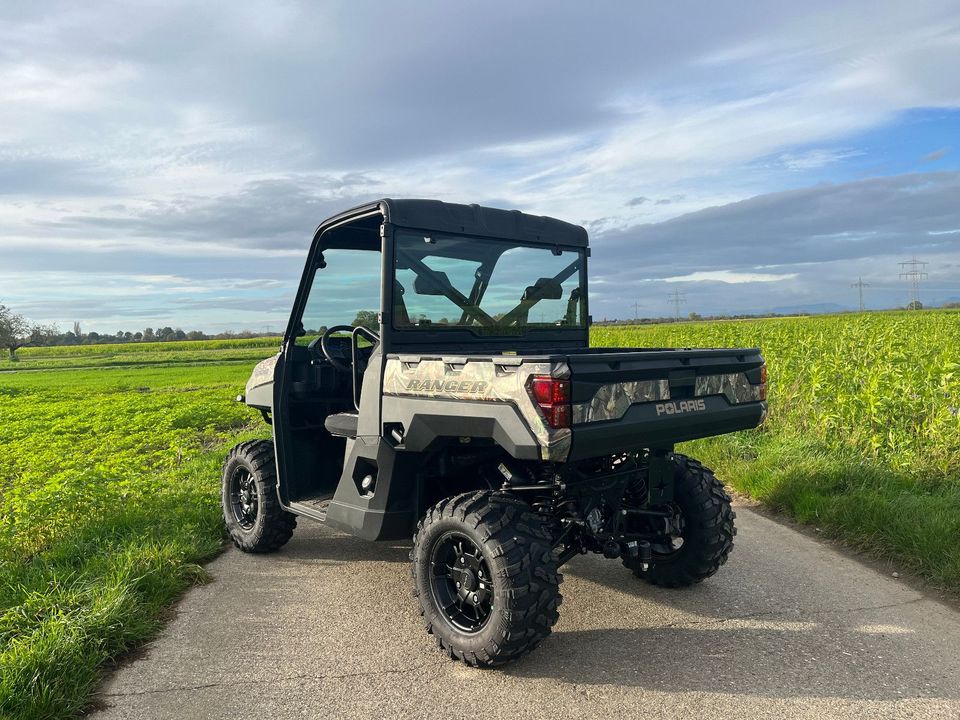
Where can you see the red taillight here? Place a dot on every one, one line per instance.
(552, 396)
(763, 382)
(548, 390)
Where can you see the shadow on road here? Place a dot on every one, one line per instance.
(312, 545)
(708, 638)
(814, 662)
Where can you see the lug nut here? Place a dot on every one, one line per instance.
(476, 598)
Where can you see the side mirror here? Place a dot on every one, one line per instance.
(543, 289)
(436, 283)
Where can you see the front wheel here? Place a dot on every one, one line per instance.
(487, 578)
(251, 509)
(706, 517)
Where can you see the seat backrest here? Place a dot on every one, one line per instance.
(400, 315)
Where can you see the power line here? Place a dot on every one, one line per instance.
(677, 298)
(860, 285)
(913, 270)
(636, 309)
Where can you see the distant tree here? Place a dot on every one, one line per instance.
(695, 316)
(137, 336)
(148, 335)
(196, 335)
(76, 329)
(165, 333)
(127, 336)
(179, 334)
(915, 305)
(92, 337)
(44, 335)
(367, 319)
(17, 332)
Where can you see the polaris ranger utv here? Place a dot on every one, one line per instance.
(471, 413)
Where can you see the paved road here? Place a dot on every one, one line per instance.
(327, 629)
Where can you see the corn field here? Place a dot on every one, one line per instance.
(885, 386)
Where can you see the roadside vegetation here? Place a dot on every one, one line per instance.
(110, 459)
(108, 503)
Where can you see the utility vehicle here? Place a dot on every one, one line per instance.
(467, 409)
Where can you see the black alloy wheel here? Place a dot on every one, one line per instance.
(244, 498)
(461, 583)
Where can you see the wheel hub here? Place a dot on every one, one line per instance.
(467, 581)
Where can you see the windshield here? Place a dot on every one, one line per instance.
(490, 286)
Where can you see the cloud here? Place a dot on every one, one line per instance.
(274, 214)
(936, 154)
(819, 223)
(34, 177)
(176, 136)
(730, 277)
(813, 159)
(803, 242)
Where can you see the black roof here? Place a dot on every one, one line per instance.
(469, 220)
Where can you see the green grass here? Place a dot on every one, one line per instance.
(109, 476)
(108, 503)
(134, 348)
(219, 352)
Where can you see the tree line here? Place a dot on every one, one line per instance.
(17, 332)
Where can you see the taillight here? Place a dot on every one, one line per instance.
(552, 396)
(763, 382)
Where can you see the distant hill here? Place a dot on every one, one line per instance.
(811, 309)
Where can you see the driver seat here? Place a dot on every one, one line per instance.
(342, 424)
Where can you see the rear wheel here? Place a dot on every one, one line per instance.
(251, 509)
(486, 576)
(704, 514)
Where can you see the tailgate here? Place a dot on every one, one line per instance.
(631, 399)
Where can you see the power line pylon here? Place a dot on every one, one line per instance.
(860, 285)
(913, 270)
(677, 298)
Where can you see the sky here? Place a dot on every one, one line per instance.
(166, 163)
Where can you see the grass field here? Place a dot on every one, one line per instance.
(108, 502)
(110, 456)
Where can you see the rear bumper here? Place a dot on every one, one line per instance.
(661, 423)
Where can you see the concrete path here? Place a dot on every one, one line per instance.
(327, 628)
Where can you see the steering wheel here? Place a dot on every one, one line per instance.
(336, 359)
